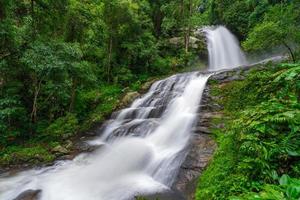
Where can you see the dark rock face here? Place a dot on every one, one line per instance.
(29, 195)
(201, 148)
(200, 154)
(83, 146)
(166, 195)
(240, 73)
(202, 145)
(129, 98)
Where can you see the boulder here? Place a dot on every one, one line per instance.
(69, 144)
(146, 86)
(195, 43)
(83, 146)
(202, 129)
(29, 195)
(129, 98)
(164, 195)
(176, 41)
(201, 152)
(60, 149)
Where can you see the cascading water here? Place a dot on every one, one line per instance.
(223, 49)
(141, 149)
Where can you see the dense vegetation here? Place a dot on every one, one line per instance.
(258, 150)
(260, 24)
(64, 64)
(258, 153)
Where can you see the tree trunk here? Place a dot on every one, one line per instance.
(73, 95)
(157, 21)
(32, 8)
(290, 51)
(182, 9)
(33, 18)
(182, 13)
(34, 107)
(37, 87)
(109, 58)
(188, 29)
(2, 11)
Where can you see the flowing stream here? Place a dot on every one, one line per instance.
(141, 148)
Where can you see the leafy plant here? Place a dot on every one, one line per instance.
(261, 138)
(62, 128)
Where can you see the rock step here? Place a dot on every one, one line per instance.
(29, 195)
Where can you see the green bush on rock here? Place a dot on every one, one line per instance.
(30, 155)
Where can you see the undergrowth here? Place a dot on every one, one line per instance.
(259, 148)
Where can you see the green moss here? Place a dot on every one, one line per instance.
(29, 155)
(215, 89)
(219, 180)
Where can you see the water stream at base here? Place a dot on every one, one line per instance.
(141, 148)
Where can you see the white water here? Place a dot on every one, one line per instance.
(142, 150)
(223, 49)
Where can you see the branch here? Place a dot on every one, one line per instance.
(290, 50)
(4, 55)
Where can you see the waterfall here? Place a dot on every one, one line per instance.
(223, 49)
(142, 149)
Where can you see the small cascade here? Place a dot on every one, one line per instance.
(223, 49)
(142, 149)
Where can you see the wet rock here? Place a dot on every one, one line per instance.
(129, 98)
(194, 42)
(200, 154)
(115, 114)
(201, 129)
(201, 148)
(176, 41)
(69, 144)
(29, 195)
(165, 195)
(146, 86)
(126, 89)
(60, 149)
(85, 147)
(157, 112)
(68, 157)
(2, 171)
(91, 133)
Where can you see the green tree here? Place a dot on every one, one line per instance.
(42, 65)
(280, 27)
(179, 18)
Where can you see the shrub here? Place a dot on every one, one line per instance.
(261, 141)
(30, 155)
(63, 127)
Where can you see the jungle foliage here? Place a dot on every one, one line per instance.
(260, 25)
(259, 149)
(64, 64)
